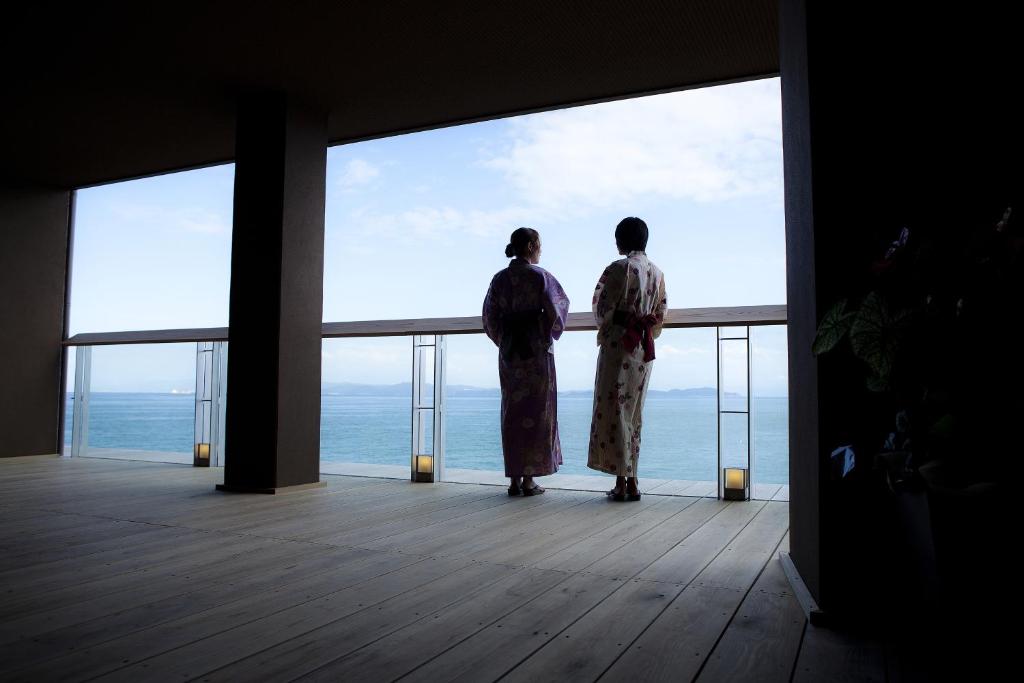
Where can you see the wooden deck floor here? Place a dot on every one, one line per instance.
(140, 571)
(592, 482)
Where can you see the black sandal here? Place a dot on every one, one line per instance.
(617, 497)
(514, 491)
(534, 491)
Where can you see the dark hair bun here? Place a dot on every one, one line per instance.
(520, 241)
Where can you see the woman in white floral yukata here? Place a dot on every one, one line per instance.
(524, 311)
(629, 307)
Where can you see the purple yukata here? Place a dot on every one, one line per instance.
(525, 310)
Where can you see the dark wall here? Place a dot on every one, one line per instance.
(892, 118)
(33, 259)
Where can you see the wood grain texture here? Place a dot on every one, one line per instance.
(139, 571)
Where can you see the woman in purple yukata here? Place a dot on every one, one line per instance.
(524, 312)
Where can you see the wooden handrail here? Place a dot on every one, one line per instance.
(733, 316)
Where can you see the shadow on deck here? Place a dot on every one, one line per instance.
(132, 571)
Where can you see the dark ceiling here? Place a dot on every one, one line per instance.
(95, 92)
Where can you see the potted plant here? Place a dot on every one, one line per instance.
(945, 387)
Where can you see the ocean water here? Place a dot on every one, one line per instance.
(679, 434)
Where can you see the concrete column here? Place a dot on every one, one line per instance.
(276, 305)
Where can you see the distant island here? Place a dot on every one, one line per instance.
(404, 390)
(461, 390)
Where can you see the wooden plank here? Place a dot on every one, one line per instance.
(61, 489)
(440, 504)
(443, 538)
(23, 526)
(269, 572)
(764, 491)
(634, 557)
(491, 652)
(63, 480)
(185, 562)
(578, 482)
(124, 556)
(701, 489)
(593, 643)
(368, 578)
(676, 317)
(480, 538)
(489, 477)
(584, 649)
(211, 509)
(743, 559)
(208, 566)
(363, 469)
(528, 545)
(403, 650)
(686, 632)
(275, 645)
(140, 455)
(216, 510)
(41, 614)
(128, 487)
(672, 487)
(366, 531)
(44, 546)
(763, 638)
(586, 551)
(281, 510)
(116, 493)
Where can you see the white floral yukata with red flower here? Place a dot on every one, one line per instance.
(629, 307)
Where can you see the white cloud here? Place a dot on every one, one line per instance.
(433, 223)
(202, 221)
(709, 144)
(186, 219)
(357, 173)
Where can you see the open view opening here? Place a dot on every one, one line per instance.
(415, 228)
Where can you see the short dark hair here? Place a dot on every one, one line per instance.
(631, 234)
(519, 243)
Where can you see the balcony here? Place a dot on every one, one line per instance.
(686, 442)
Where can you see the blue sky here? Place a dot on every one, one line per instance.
(416, 227)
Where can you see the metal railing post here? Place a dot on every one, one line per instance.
(80, 410)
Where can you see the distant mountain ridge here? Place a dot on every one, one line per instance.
(456, 390)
